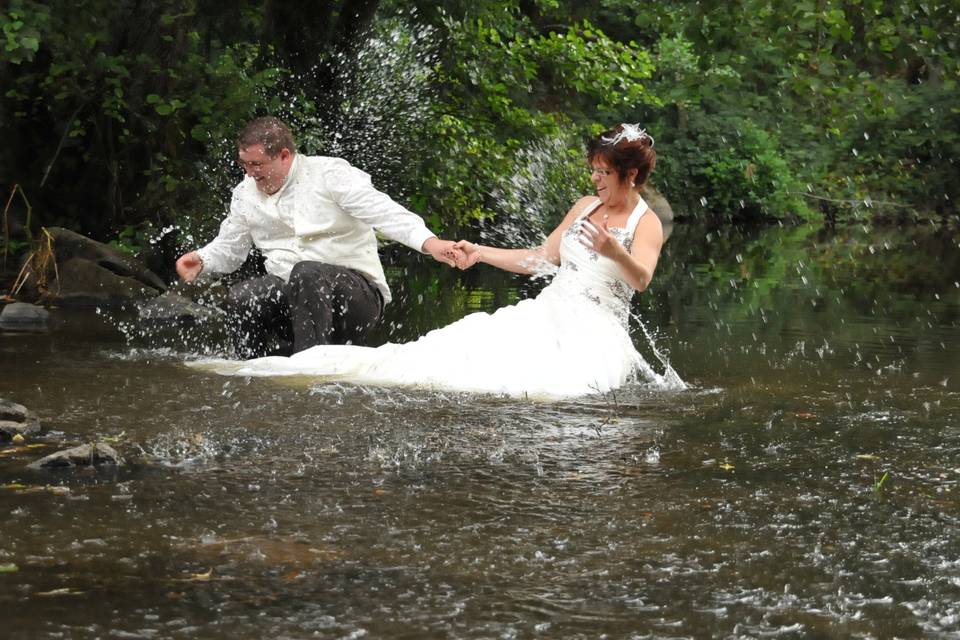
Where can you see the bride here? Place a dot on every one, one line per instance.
(572, 339)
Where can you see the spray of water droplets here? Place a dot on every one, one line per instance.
(545, 180)
(384, 95)
(387, 93)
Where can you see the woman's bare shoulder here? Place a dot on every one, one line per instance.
(580, 206)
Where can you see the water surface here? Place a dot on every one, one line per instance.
(804, 485)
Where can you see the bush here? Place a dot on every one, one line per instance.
(729, 168)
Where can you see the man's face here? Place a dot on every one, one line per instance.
(269, 172)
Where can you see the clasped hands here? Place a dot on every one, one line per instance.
(462, 254)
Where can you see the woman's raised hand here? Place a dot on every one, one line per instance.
(469, 254)
(599, 239)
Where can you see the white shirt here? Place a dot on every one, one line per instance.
(326, 211)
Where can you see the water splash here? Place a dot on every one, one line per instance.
(181, 448)
(386, 96)
(545, 180)
(669, 379)
(385, 92)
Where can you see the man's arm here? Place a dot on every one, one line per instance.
(223, 254)
(352, 189)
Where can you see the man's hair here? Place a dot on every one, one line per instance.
(271, 132)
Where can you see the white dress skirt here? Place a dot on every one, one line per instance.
(570, 340)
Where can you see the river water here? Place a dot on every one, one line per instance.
(805, 485)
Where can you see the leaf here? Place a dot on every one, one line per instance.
(201, 577)
(56, 490)
(9, 567)
(65, 591)
(123, 434)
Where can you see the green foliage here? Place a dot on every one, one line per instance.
(118, 114)
(133, 239)
(878, 484)
(509, 91)
(855, 94)
(739, 168)
(118, 103)
(10, 245)
(21, 24)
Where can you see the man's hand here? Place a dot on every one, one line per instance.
(189, 266)
(443, 251)
(471, 254)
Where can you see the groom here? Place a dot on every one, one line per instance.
(313, 218)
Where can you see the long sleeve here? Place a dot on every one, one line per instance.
(352, 189)
(229, 249)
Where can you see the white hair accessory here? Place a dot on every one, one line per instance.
(628, 132)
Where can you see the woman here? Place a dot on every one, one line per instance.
(570, 340)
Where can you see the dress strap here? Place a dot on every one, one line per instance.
(635, 216)
(589, 208)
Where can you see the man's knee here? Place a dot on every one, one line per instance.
(236, 296)
(254, 294)
(317, 275)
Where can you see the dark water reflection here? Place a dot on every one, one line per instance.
(745, 506)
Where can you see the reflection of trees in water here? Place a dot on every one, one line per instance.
(427, 295)
(810, 292)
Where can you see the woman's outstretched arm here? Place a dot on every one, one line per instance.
(523, 260)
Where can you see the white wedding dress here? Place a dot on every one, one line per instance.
(570, 340)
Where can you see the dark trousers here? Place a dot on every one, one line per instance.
(319, 304)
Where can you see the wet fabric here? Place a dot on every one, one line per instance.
(320, 304)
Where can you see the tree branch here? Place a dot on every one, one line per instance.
(63, 138)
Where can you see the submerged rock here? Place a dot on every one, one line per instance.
(21, 315)
(85, 455)
(175, 308)
(71, 268)
(175, 321)
(16, 419)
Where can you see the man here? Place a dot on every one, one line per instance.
(313, 218)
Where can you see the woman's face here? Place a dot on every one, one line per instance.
(610, 189)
